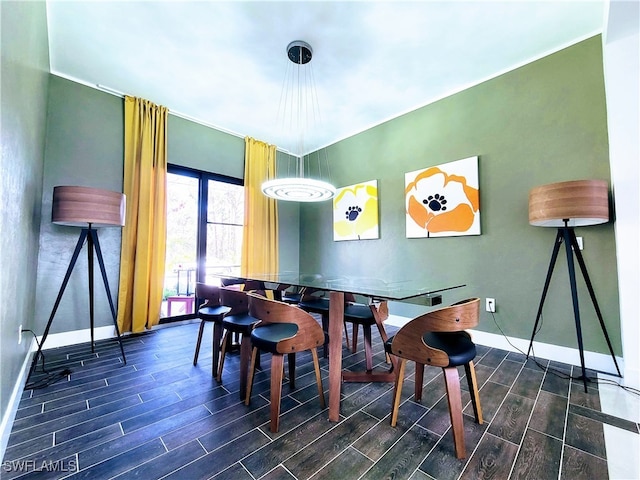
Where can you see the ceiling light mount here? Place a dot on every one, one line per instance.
(299, 52)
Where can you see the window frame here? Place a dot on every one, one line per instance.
(203, 203)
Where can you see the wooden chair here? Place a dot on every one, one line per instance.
(210, 311)
(283, 329)
(438, 338)
(355, 313)
(237, 322)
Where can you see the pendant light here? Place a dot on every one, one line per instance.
(299, 108)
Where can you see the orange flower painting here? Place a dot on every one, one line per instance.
(355, 212)
(443, 200)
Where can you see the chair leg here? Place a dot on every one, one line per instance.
(245, 354)
(368, 350)
(217, 337)
(277, 364)
(385, 337)
(473, 389)
(223, 353)
(346, 332)
(325, 329)
(195, 357)
(316, 366)
(252, 371)
(291, 361)
(419, 378)
(354, 338)
(454, 397)
(397, 391)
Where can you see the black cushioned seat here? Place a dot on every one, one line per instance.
(241, 323)
(237, 322)
(213, 313)
(315, 305)
(457, 345)
(210, 311)
(266, 337)
(358, 313)
(290, 297)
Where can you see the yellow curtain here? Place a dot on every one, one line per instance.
(144, 234)
(260, 234)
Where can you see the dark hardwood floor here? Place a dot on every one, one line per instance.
(158, 416)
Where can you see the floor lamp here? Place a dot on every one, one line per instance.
(566, 205)
(87, 208)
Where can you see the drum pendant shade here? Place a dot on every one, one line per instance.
(575, 203)
(79, 206)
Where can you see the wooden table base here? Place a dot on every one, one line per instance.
(370, 376)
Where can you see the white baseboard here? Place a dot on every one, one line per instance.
(592, 360)
(14, 400)
(595, 361)
(64, 339)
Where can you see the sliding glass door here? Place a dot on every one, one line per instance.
(205, 213)
(224, 218)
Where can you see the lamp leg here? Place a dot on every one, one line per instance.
(552, 263)
(566, 232)
(94, 237)
(72, 263)
(90, 269)
(585, 275)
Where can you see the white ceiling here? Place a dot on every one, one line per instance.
(223, 63)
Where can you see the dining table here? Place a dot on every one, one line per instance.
(377, 291)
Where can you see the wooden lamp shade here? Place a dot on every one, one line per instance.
(576, 203)
(79, 206)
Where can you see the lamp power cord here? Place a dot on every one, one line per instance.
(50, 377)
(558, 373)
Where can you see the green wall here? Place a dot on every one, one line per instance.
(23, 106)
(542, 123)
(203, 148)
(85, 147)
(196, 146)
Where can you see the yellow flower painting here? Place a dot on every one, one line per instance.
(443, 200)
(355, 212)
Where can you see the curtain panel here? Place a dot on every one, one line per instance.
(260, 234)
(144, 235)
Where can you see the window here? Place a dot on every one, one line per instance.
(205, 214)
(225, 216)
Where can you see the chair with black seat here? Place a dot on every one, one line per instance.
(314, 301)
(237, 322)
(438, 338)
(357, 314)
(360, 315)
(283, 329)
(210, 311)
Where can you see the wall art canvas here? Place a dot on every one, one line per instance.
(355, 212)
(444, 200)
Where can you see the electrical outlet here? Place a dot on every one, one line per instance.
(580, 244)
(19, 334)
(491, 305)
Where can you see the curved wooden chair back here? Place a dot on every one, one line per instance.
(235, 299)
(409, 342)
(209, 293)
(310, 333)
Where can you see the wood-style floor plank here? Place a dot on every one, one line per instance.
(159, 416)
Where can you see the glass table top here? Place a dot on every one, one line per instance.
(365, 286)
